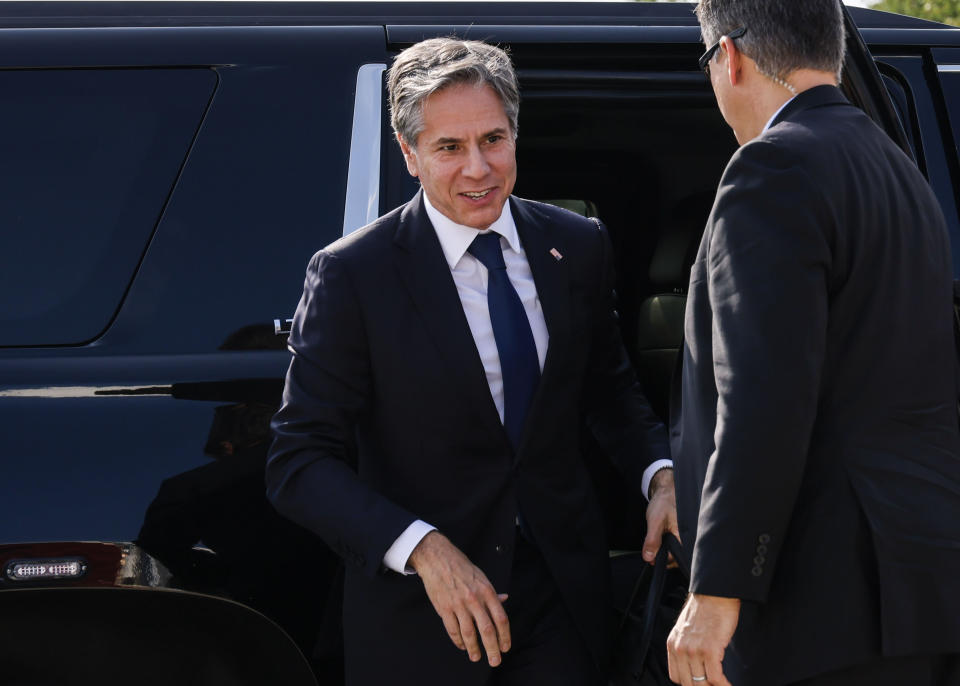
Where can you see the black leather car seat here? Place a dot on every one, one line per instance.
(660, 321)
(585, 208)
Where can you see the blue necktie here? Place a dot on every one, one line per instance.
(519, 363)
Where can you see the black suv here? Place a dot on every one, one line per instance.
(167, 170)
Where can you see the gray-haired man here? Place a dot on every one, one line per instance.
(817, 453)
(445, 358)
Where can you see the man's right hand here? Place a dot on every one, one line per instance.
(463, 597)
(661, 514)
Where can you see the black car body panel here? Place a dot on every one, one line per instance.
(140, 361)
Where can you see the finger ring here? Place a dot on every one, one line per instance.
(699, 678)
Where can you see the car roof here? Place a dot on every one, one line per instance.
(139, 13)
(105, 13)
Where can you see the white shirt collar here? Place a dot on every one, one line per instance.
(456, 238)
(777, 113)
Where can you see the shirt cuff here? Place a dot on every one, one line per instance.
(397, 555)
(648, 474)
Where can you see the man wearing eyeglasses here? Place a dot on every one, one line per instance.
(817, 458)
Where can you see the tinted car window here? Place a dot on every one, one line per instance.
(87, 160)
(950, 80)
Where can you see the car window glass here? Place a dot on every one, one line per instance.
(902, 103)
(87, 161)
(950, 81)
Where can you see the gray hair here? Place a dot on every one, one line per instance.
(782, 35)
(432, 65)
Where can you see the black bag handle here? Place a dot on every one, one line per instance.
(668, 545)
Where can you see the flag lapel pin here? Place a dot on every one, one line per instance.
(556, 254)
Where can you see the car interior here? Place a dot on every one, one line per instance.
(649, 171)
(647, 163)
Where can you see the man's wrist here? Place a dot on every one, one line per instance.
(661, 480)
(651, 471)
(398, 556)
(717, 600)
(422, 550)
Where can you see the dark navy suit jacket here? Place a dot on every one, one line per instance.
(387, 417)
(816, 444)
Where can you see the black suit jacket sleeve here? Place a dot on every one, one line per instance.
(617, 413)
(767, 263)
(311, 473)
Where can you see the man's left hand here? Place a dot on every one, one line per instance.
(661, 513)
(697, 643)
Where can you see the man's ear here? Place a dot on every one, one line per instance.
(734, 66)
(409, 156)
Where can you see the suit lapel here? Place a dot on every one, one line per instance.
(553, 290)
(426, 275)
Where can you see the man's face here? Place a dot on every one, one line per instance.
(465, 156)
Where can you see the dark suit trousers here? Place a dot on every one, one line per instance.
(547, 648)
(920, 670)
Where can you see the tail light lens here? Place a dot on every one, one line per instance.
(45, 569)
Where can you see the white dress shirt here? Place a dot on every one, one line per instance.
(470, 277)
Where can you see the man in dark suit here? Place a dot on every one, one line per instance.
(444, 359)
(817, 452)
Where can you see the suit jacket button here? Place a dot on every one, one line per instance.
(764, 538)
(761, 549)
(499, 549)
(756, 571)
(759, 560)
